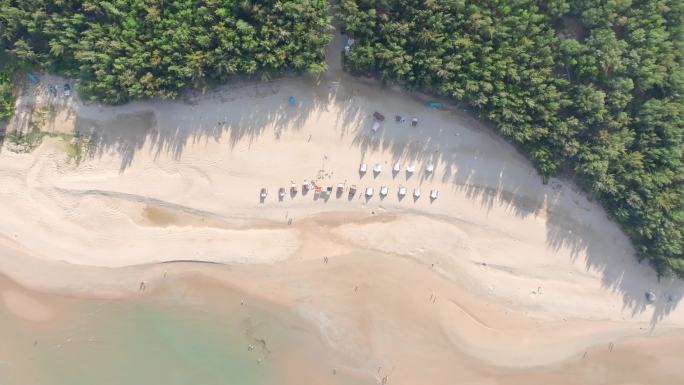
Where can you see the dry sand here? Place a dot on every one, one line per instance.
(500, 280)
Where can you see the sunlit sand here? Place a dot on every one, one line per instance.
(497, 277)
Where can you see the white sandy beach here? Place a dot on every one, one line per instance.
(500, 280)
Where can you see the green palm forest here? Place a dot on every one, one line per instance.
(131, 49)
(588, 89)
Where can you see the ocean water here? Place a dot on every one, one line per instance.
(108, 343)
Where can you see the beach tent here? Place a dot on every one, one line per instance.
(430, 167)
(434, 105)
(292, 101)
(397, 167)
(377, 168)
(410, 168)
(369, 192)
(32, 78)
(376, 126)
(362, 168)
(264, 192)
(416, 192)
(402, 191)
(384, 190)
(433, 194)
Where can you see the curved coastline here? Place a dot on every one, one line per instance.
(533, 262)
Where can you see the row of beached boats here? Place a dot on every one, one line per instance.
(328, 190)
(369, 192)
(410, 168)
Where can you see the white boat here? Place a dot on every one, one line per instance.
(433, 194)
(384, 190)
(402, 191)
(376, 126)
(430, 168)
(363, 167)
(377, 168)
(416, 193)
(410, 168)
(397, 167)
(369, 192)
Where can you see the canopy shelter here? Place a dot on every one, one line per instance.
(397, 167)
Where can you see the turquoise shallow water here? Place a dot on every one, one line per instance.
(119, 343)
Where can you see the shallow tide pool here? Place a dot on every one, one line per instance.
(132, 343)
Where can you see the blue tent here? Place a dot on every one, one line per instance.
(292, 101)
(434, 105)
(33, 78)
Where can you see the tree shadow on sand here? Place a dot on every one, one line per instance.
(3, 132)
(524, 196)
(167, 127)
